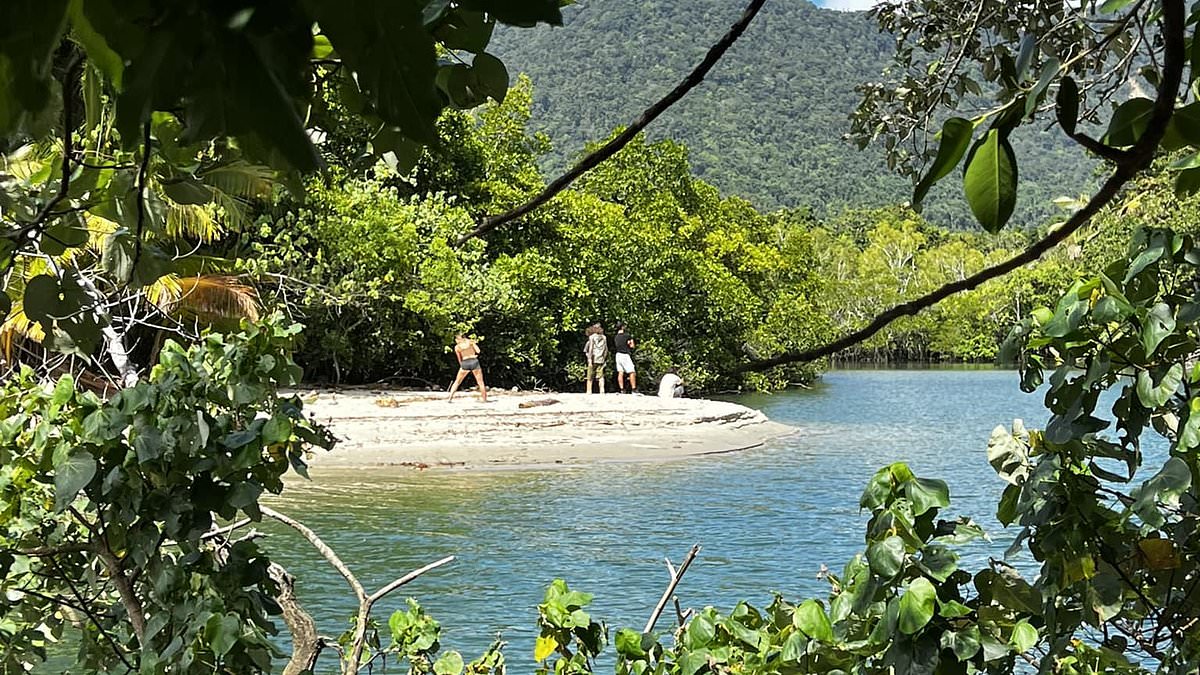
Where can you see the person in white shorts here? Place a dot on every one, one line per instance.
(623, 345)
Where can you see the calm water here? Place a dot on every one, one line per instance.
(767, 518)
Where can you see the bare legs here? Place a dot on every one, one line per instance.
(621, 382)
(478, 373)
(594, 373)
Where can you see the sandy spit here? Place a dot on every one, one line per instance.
(517, 429)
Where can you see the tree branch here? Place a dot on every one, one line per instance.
(676, 576)
(322, 548)
(143, 173)
(378, 595)
(593, 159)
(1135, 160)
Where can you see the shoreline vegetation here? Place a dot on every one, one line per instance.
(526, 429)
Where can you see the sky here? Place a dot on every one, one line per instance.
(849, 5)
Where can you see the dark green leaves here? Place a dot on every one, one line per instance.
(955, 138)
(386, 45)
(470, 86)
(29, 32)
(990, 181)
(1066, 105)
(1129, 122)
(886, 557)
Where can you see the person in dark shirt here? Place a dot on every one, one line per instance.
(623, 344)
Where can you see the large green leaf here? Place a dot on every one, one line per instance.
(1129, 122)
(954, 140)
(99, 53)
(916, 605)
(1066, 105)
(811, 619)
(964, 643)
(464, 29)
(886, 557)
(1165, 487)
(926, 494)
(1154, 394)
(70, 476)
(1024, 636)
(990, 181)
(1157, 326)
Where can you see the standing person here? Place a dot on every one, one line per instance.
(623, 344)
(595, 350)
(671, 385)
(466, 351)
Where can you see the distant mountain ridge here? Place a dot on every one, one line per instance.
(767, 123)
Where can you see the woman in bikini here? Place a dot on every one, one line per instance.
(467, 353)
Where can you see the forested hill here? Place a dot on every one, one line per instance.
(767, 123)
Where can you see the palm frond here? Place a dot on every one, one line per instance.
(192, 220)
(98, 230)
(212, 297)
(17, 326)
(165, 291)
(240, 179)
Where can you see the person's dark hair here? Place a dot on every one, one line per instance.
(620, 326)
(673, 370)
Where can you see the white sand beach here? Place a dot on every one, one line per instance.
(423, 431)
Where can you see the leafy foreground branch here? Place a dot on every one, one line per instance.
(1130, 147)
(108, 524)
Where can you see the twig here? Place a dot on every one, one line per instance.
(378, 595)
(225, 530)
(593, 159)
(84, 605)
(1136, 160)
(675, 578)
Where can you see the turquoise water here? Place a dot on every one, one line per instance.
(767, 518)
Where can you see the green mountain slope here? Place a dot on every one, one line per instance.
(767, 123)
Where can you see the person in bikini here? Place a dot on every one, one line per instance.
(467, 353)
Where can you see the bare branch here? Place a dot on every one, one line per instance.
(675, 578)
(378, 595)
(322, 548)
(47, 551)
(221, 531)
(1132, 162)
(593, 159)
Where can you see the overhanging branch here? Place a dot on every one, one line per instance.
(1128, 165)
(593, 159)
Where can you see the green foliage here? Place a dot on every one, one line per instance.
(873, 260)
(568, 633)
(243, 72)
(767, 124)
(1091, 57)
(701, 280)
(104, 508)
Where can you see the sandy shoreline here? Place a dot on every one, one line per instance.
(421, 430)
